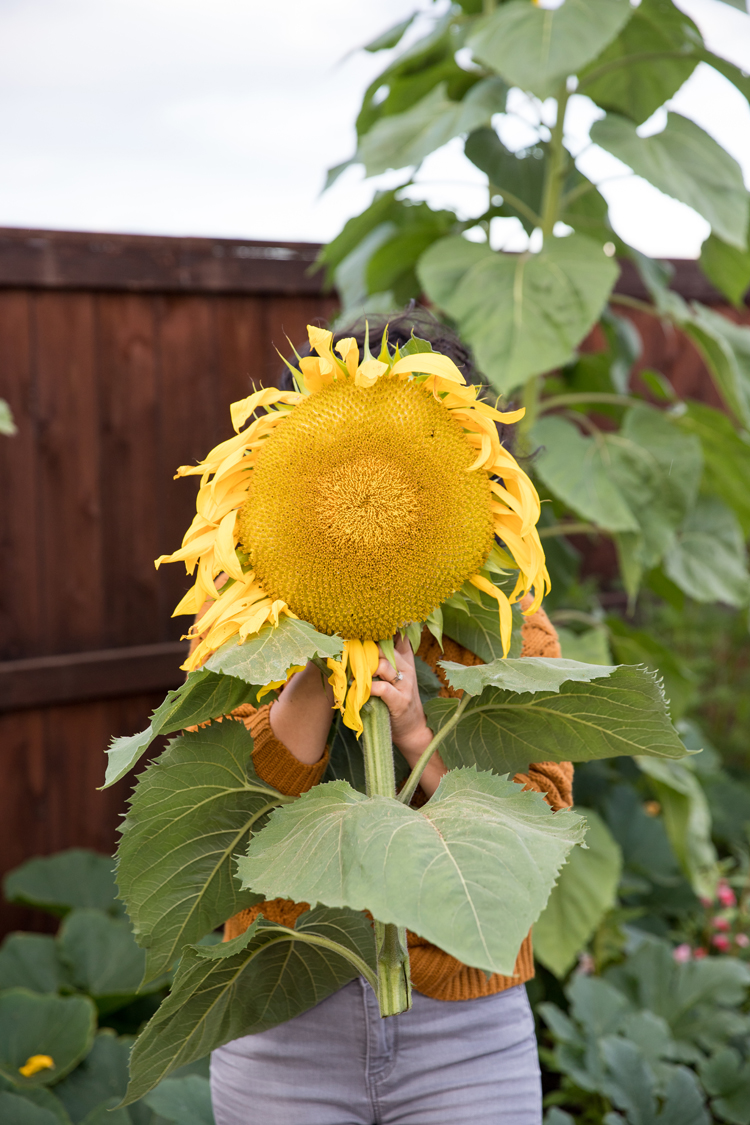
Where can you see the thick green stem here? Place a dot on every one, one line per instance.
(394, 982)
(587, 396)
(556, 167)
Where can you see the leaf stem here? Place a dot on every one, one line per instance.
(572, 528)
(394, 981)
(573, 399)
(518, 203)
(412, 781)
(634, 303)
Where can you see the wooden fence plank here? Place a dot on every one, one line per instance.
(70, 505)
(102, 674)
(22, 625)
(129, 420)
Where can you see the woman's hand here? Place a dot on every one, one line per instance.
(409, 727)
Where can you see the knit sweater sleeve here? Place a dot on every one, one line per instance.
(273, 762)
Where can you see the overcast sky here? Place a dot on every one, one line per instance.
(220, 118)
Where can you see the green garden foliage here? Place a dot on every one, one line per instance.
(642, 990)
(77, 998)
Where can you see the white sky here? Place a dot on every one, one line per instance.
(220, 118)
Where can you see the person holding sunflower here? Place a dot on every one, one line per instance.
(408, 535)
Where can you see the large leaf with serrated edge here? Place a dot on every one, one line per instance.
(204, 695)
(646, 64)
(535, 48)
(191, 812)
(504, 732)
(267, 658)
(470, 870)
(529, 674)
(260, 979)
(687, 164)
(585, 891)
(401, 139)
(522, 313)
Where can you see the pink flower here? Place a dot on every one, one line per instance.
(726, 895)
(707, 902)
(699, 953)
(682, 953)
(720, 923)
(742, 940)
(721, 941)
(586, 964)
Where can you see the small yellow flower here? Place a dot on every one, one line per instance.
(36, 1063)
(358, 503)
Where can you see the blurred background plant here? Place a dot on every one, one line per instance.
(73, 1000)
(643, 950)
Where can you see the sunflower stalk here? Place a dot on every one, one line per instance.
(394, 982)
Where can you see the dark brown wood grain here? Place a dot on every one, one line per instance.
(103, 674)
(81, 260)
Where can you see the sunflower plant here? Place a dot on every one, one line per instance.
(376, 498)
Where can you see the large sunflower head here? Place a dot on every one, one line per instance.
(358, 503)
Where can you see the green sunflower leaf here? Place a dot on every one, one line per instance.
(190, 814)
(100, 1080)
(442, 870)
(204, 695)
(31, 961)
(642, 67)
(536, 48)
(59, 883)
(477, 626)
(402, 139)
(262, 978)
(522, 314)
(727, 267)
(529, 674)
(725, 347)
(186, 1101)
(521, 177)
(726, 455)
(502, 731)
(23, 1109)
(687, 819)
(267, 657)
(708, 559)
(30, 1024)
(687, 164)
(585, 890)
(102, 958)
(577, 470)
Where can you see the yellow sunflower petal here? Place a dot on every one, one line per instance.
(349, 352)
(430, 363)
(506, 615)
(363, 660)
(241, 411)
(36, 1063)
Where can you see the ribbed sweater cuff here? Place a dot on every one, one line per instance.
(273, 762)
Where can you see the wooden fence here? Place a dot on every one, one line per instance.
(119, 356)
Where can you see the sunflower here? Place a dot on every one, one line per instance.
(359, 503)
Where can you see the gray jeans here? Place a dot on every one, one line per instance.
(442, 1063)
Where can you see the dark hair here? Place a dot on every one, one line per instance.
(401, 325)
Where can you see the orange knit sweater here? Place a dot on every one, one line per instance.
(434, 973)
